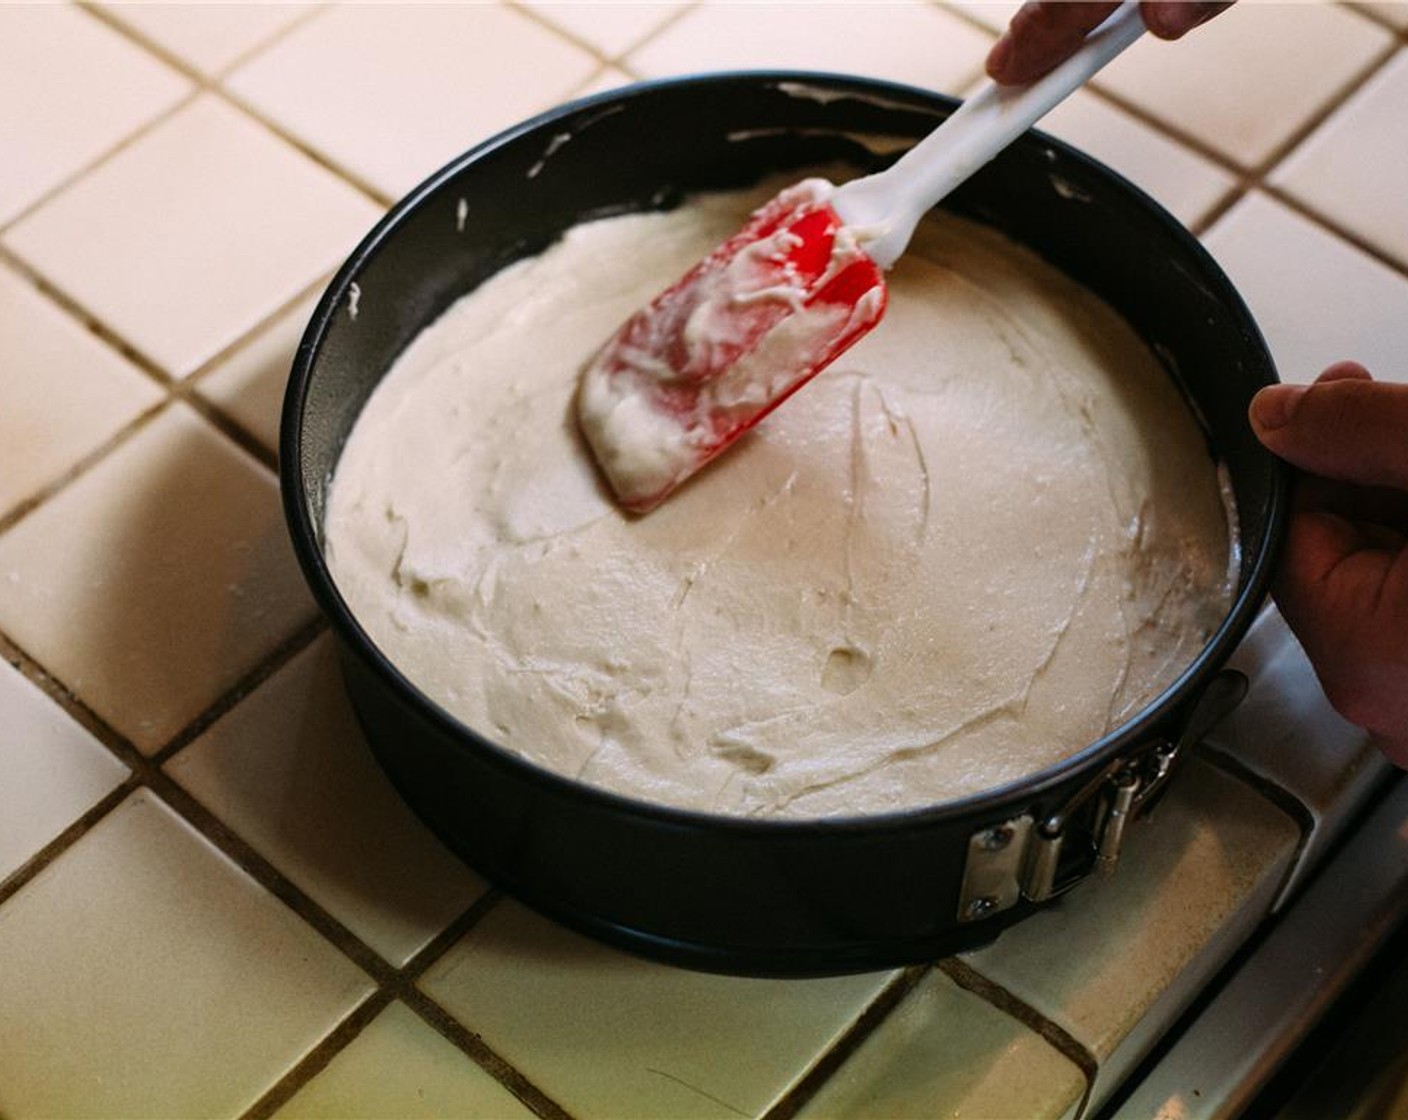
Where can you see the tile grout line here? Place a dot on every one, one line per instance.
(1333, 227)
(183, 389)
(67, 700)
(85, 318)
(233, 430)
(402, 987)
(203, 371)
(33, 867)
(202, 85)
(971, 980)
(473, 1045)
(224, 426)
(230, 428)
(401, 982)
(825, 1066)
(450, 1027)
(321, 1054)
(971, 20)
(126, 141)
(1255, 179)
(1272, 791)
(147, 772)
(316, 11)
(105, 734)
(277, 658)
(1311, 123)
(144, 771)
(518, 8)
(144, 42)
(347, 177)
(1247, 174)
(16, 513)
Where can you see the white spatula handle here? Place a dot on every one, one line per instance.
(894, 200)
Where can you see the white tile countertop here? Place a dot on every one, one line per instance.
(211, 901)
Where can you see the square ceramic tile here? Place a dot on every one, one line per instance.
(1354, 167)
(610, 28)
(221, 223)
(65, 392)
(207, 37)
(1184, 183)
(903, 41)
(70, 89)
(289, 771)
(1209, 858)
(152, 583)
(403, 89)
(1286, 732)
(608, 1035)
(52, 771)
(1249, 80)
(143, 974)
(399, 1066)
(248, 384)
(1335, 302)
(945, 1052)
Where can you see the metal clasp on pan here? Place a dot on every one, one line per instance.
(1026, 858)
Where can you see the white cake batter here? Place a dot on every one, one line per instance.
(984, 537)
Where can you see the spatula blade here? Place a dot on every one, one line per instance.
(745, 328)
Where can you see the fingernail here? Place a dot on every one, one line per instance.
(1274, 406)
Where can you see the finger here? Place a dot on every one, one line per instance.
(1173, 20)
(1041, 35)
(1377, 505)
(1344, 371)
(1331, 587)
(1316, 544)
(1345, 428)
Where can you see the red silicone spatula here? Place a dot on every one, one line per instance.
(780, 300)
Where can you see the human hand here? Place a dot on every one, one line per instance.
(1343, 582)
(1043, 34)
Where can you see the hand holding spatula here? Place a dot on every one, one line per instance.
(767, 310)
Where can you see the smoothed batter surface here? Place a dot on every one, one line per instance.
(984, 537)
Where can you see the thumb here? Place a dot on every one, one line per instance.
(1344, 427)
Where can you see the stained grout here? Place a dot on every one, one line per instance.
(213, 85)
(348, 177)
(278, 657)
(317, 1059)
(77, 710)
(876, 1012)
(392, 982)
(484, 1056)
(230, 428)
(1279, 796)
(607, 60)
(1334, 227)
(251, 336)
(90, 322)
(16, 513)
(971, 980)
(33, 867)
(107, 154)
